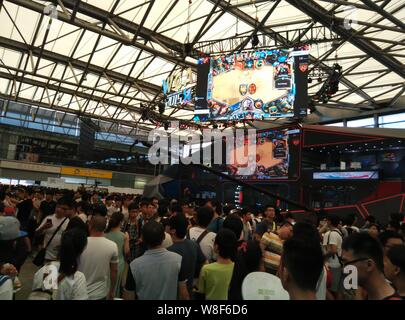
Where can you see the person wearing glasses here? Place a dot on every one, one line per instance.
(365, 254)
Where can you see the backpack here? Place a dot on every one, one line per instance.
(200, 238)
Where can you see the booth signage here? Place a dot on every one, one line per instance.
(83, 172)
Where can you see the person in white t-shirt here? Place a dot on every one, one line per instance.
(99, 262)
(201, 235)
(49, 226)
(332, 242)
(62, 277)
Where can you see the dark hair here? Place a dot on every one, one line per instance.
(98, 210)
(235, 224)
(245, 211)
(77, 223)
(115, 221)
(307, 231)
(349, 219)
(144, 202)
(370, 219)
(179, 223)
(396, 217)
(204, 216)
(153, 234)
(227, 209)
(374, 225)
(397, 256)
(304, 261)
(175, 208)
(246, 261)
(73, 243)
(334, 219)
(388, 234)
(98, 223)
(133, 206)
(268, 206)
(226, 241)
(364, 245)
(66, 201)
(84, 205)
(395, 225)
(217, 205)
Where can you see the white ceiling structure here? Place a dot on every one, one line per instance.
(104, 58)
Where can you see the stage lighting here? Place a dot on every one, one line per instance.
(162, 108)
(166, 126)
(309, 80)
(319, 79)
(255, 40)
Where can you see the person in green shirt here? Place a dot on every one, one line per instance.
(215, 278)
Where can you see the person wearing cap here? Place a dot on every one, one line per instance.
(13, 250)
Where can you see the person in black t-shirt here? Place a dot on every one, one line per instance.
(24, 208)
(47, 207)
(192, 256)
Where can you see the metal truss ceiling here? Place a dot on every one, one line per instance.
(104, 58)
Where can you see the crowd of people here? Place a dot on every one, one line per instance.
(89, 245)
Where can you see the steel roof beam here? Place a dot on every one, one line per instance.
(252, 22)
(319, 14)
(78, 64)
(384, 13)
(102, 16)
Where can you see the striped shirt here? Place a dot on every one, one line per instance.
(273, 248)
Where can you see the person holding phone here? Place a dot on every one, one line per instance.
(49, 226)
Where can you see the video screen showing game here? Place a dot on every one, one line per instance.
(254, 85)
(277, 156)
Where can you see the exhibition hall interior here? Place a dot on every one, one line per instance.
(202, 150)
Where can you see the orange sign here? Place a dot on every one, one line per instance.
(83, 172)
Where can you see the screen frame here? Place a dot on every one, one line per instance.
(288, 179)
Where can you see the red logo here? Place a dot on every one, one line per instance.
(303, 67)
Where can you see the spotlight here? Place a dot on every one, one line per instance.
(319, 79)
(255, 40)
(161, 107)
(309, 80)
(166, 126)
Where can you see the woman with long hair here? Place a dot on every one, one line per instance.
(114, 234)
(62, 277)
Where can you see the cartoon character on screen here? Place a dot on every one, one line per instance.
(248, 105)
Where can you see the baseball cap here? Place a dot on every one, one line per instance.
(10, 229)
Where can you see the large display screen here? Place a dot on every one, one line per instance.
(277, 156)
(252, 85)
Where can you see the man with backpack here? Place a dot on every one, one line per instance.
(332, 242)
(201, 234)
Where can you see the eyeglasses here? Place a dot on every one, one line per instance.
(354, 261)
